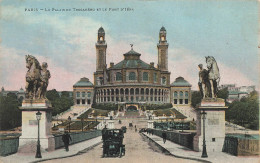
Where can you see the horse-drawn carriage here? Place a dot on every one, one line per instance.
(113, 143)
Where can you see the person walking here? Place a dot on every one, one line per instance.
(66, 140)
(164, 136)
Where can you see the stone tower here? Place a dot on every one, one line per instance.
(162, 50)
(101, 47)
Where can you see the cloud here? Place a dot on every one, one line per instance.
(70, 52)
(183, 62)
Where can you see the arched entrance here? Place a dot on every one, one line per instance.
(131, 108)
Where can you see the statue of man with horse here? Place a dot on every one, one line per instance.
(209, 79)
(37, 78)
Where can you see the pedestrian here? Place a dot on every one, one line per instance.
(66, 140)
(164, 136)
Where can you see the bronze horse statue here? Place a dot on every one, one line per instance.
(33, 77)
(213, 75)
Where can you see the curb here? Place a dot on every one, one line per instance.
(189, 158)
(72, 155)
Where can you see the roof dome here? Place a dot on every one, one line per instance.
(21, 90)
(181, 82)
(162, 29)
(101, 30)
(132, 52)
(83, 82)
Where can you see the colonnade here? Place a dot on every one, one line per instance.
(132, 95)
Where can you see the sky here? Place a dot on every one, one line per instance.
(226, 29)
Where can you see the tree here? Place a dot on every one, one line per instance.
(245, 112)
(59, 103)
(195, 98)
(223, 93)
(10, 115)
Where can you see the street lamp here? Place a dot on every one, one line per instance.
(69, 119)
(38, 152)
(204, 150)
(82, 120)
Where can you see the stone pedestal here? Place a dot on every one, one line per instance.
(214, 125)
(111, 124)
(149, 124)
(29, 135)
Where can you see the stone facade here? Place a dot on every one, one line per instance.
(132, 80)
(83, 92)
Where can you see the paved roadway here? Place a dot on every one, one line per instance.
(138, 150)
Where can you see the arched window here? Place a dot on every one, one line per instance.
(175, 94)
(132, 76)
(118, 76)
(155, 77)
(164, 80)
(78, 94)
(145, 76)
(181, 94)
(82, 94)
(186, 94)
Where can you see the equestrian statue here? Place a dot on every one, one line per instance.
(209, 79)
(37, 78)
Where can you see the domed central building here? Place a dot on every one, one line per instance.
(132, 82)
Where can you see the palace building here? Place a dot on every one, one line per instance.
(132, 81)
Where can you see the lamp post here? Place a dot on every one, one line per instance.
(204, 150)
(38, 152)
(82, 120)
(69, 119)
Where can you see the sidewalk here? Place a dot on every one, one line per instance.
(74, 149)
(214, 157)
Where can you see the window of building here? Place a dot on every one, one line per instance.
(105, 99)
(117, 98)
(164, 80)
(147, 98)
(159, 99)
(118, 76)
(132, 76)
(78, 94)
(175, 101)
(181, 101)
(181, 94)
(186, 94)
(83, 102)
(88, 101)
(155, 98)
(132, 98)
(142, 98)
(108, 98)
(186, 101)
(112, 98)
(155, 77)
(78, 102)
(175, 94)
(145, 76)
(126, 98)
(83, 94)
(89, 94)
(122, 99)
(136, 98)
(151, 98)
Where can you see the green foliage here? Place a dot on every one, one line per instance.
(245, 112)
(195, 98)
(10, 115)
(223, 93)
(59, 103)
(157, 106)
